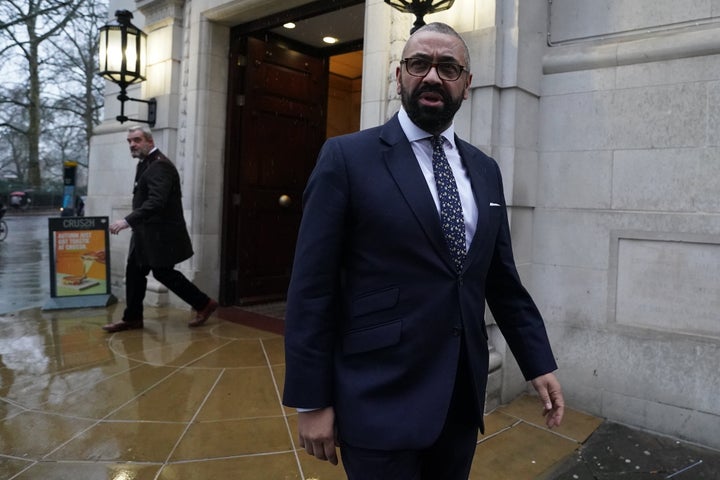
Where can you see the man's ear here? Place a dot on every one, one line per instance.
(466, 90)
(397, 79)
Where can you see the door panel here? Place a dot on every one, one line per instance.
(276, 126)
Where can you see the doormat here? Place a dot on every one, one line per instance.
(272, 309)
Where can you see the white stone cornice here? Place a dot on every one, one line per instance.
(668, 46)
(158, 10)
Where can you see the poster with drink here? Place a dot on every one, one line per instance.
(79, 263)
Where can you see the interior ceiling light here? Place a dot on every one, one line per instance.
(330, 40)
(289, 25)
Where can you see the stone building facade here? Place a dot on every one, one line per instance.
(603, 116)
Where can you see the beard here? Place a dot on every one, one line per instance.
(139, 153)
(431, 119)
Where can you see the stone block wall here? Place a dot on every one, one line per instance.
(626, 244)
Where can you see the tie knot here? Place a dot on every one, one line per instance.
(437, 141)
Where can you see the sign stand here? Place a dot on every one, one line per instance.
(79, 263)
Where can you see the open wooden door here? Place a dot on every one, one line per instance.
(276, 126)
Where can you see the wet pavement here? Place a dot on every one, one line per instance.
(170, 402)
(615, 451)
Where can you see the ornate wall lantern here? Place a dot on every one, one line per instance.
(123, 59)
(420, 8)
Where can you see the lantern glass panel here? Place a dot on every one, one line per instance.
(143, 56)
(131, 56)
(122, 66)
(114, 53)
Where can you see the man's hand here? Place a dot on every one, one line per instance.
(317, 433)
(118, 225)
(548, 387)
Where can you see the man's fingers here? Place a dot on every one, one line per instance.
(544, 396)
(558, 409)
(321, 450)
(550, 394)
(330, 453)
(545, 399)
(317, 433)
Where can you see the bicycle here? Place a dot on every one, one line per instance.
(3, 225)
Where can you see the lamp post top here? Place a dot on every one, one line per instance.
(123, 17)
(420, 8)
(423, 7)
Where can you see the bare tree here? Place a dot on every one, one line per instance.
(14, 147)
(12, 134)
(28, 24)
(78, 100)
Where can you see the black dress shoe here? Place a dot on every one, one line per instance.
(121, 326)
(204, 314)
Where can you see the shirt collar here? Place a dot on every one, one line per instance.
(150, 154)
(415, 133)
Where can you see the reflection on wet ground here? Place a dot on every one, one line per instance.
(163, 402)
(170, 402)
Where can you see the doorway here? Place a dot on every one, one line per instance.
(285, 98)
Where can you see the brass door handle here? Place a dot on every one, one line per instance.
(284, 201)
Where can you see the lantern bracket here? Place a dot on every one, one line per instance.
(151, 109)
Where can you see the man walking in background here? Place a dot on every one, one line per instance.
(159, 235)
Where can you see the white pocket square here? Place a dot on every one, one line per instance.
(494, 204)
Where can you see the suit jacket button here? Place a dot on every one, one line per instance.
(457, 331)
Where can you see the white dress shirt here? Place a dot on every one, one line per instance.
(422, 147)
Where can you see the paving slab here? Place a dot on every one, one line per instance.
(618, 452)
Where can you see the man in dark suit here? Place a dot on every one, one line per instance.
(159, 235)
(385, 341)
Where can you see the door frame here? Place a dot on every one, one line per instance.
(260, 27)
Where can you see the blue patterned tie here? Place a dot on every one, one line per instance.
(451, 214)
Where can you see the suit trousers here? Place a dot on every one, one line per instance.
(449, 458)
(176, 282)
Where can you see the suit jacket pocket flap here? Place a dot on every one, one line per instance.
(375, 301)
(372, 338)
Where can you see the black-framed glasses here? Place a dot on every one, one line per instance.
(419, 67)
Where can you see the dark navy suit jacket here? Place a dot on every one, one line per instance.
(376, 312)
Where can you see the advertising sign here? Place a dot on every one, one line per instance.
(79, 261)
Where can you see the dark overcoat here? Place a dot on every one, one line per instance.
(160, 237)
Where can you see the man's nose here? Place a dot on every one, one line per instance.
(432, 76)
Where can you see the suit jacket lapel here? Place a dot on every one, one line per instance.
(400, 160)
(478, 180)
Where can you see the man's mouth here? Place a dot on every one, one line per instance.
(430, 98)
